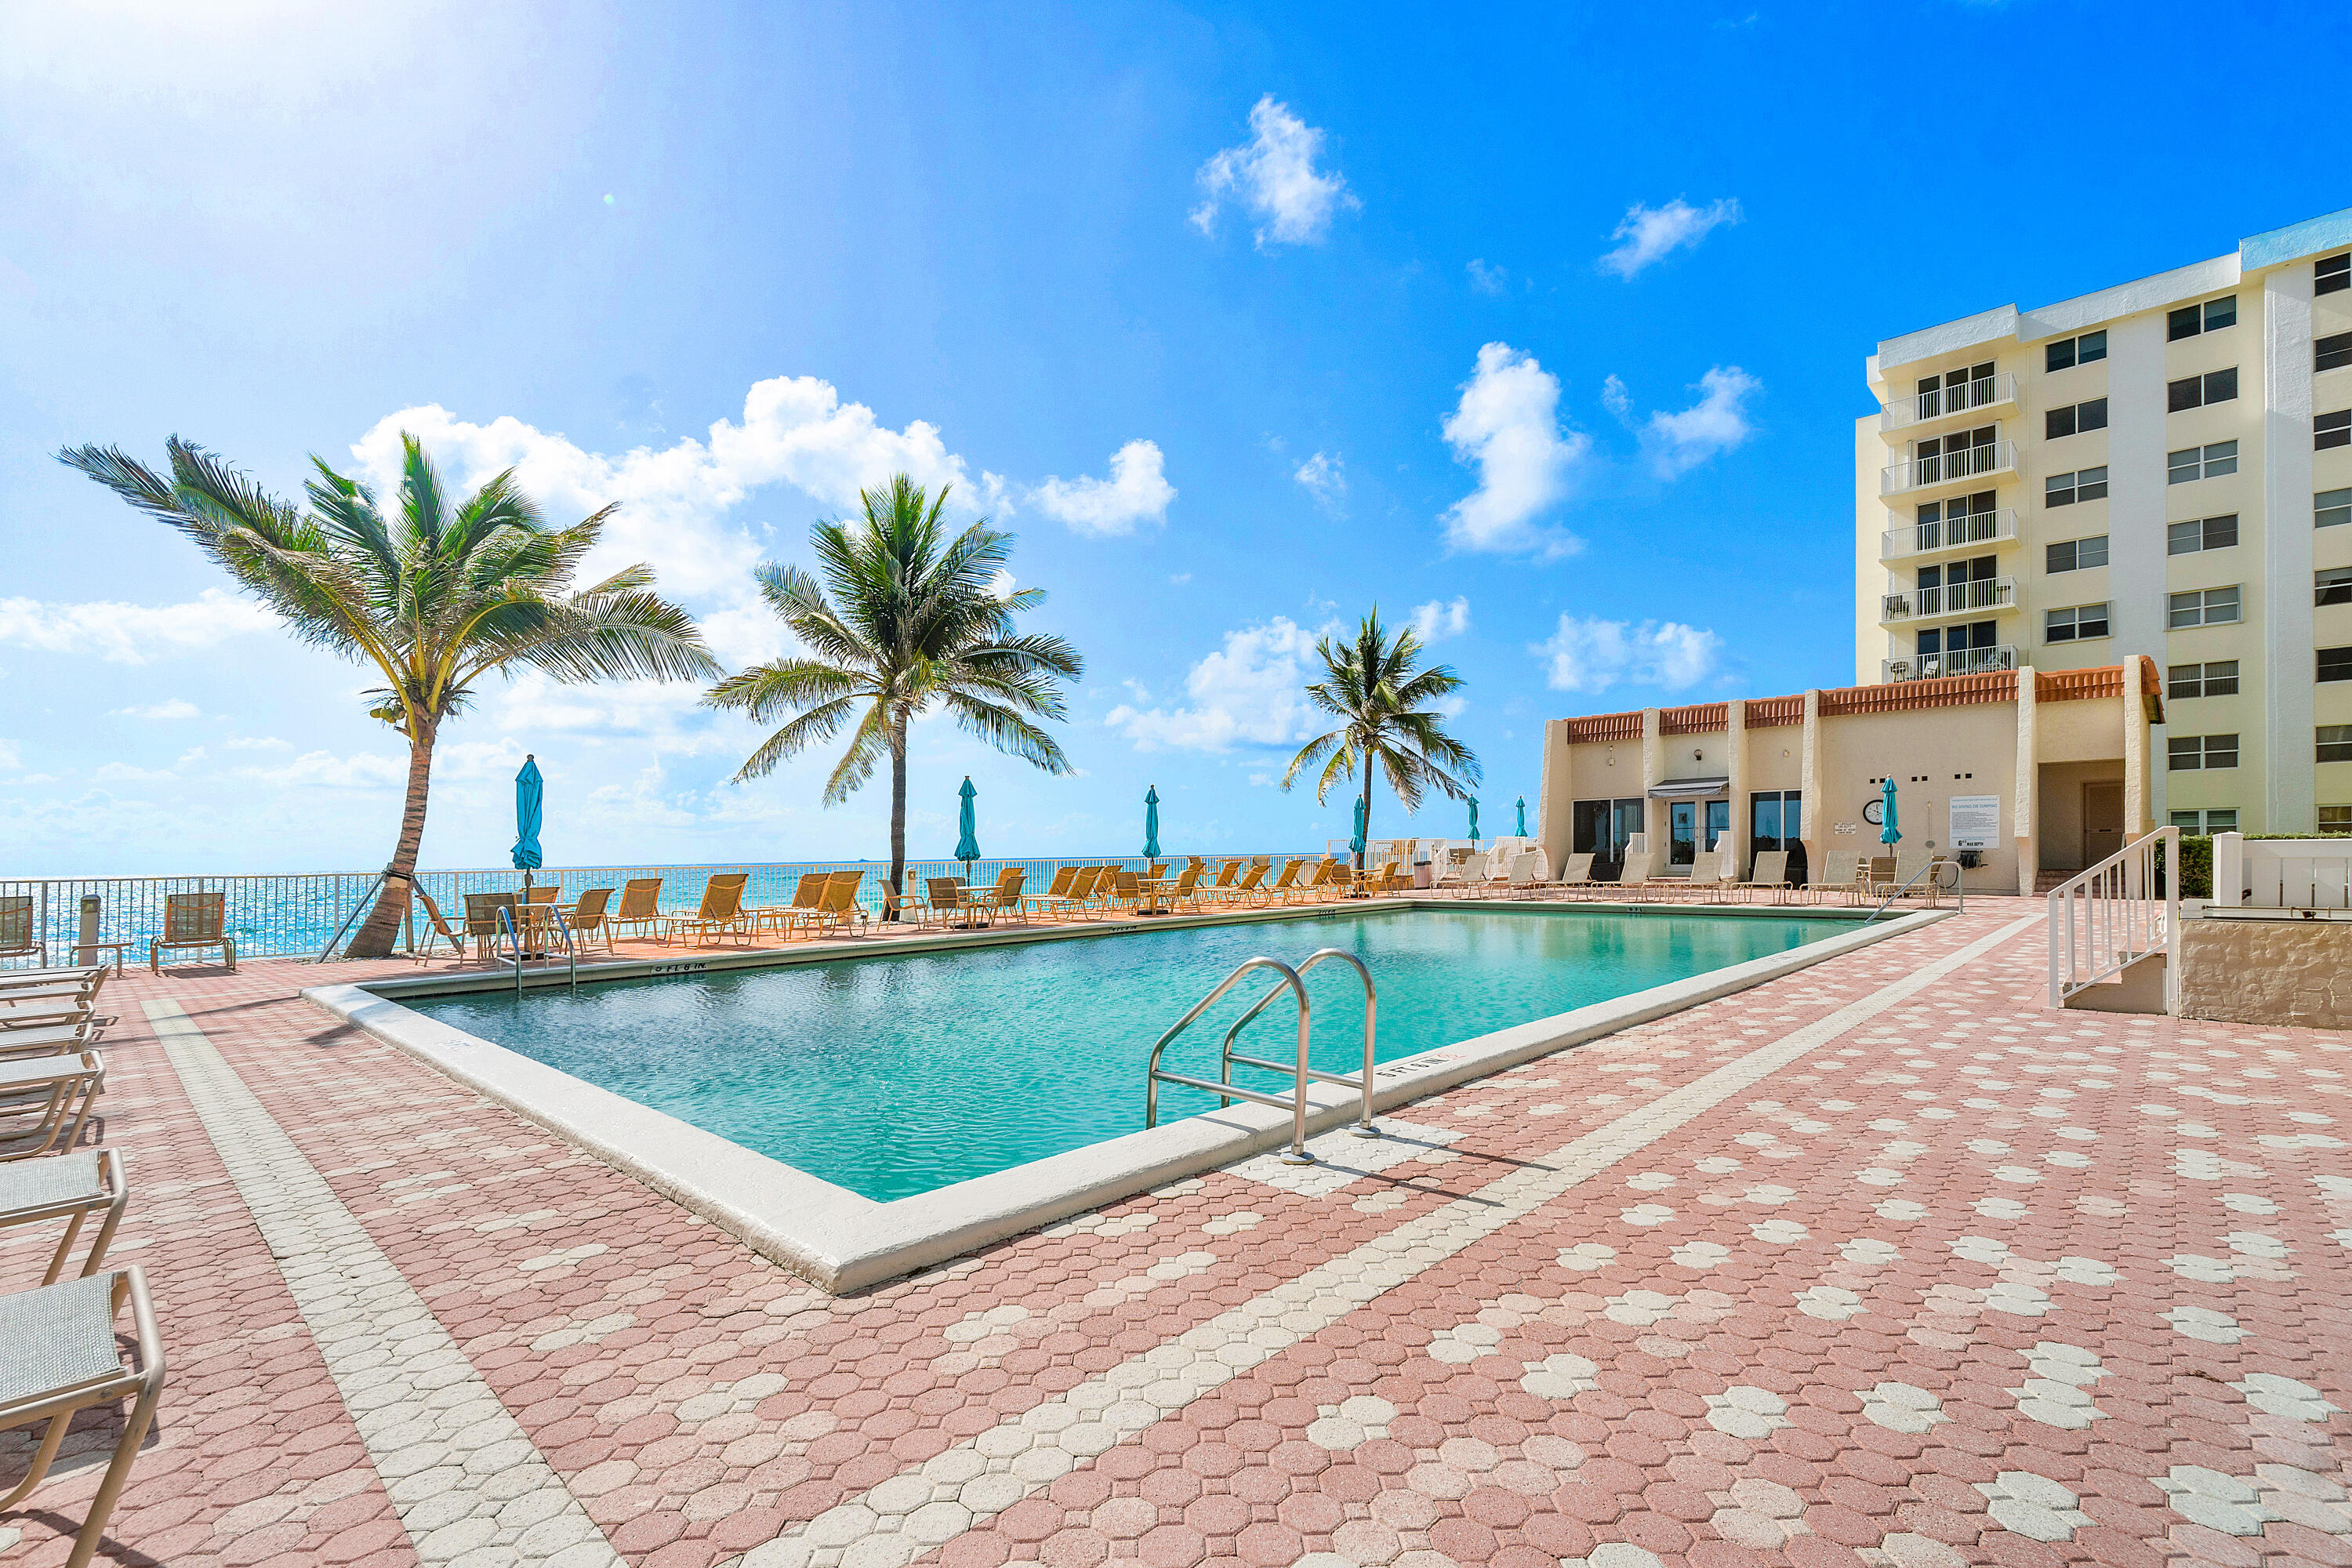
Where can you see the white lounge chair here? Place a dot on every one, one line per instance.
(1771, 871)
(61, 1361)
(45, 1102)
(71, 1187)
(1841, 876)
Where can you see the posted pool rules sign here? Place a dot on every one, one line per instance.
(1975, 821)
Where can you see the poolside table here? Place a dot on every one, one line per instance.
(1150, 890)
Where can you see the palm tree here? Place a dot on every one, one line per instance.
(434, 596)
(1386, 714)
(915, 621)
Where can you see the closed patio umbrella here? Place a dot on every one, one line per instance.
(967, 848)
(1888, 833)
(530, 792)
(1523, 816)
(1474, 819)
(1152, 822)
(1356, 845)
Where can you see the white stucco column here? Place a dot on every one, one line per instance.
(1735, 750)
(1808, 785)
(2138, 802)
(1654, 771)
(2025, 789)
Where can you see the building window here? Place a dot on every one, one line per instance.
(2331, 509)
(2188, 754)
(2065, 489)
(2215, 678)
(2074, 625)
(2335, 819)
(2333, 274)
(2333, 353)
(2077, 554)
(2075, 419)
(2336, 664)
(2336, 743)
(2200, 608)
(2200, 534)
(2208, 462)
(2067, 351)
(2211, 317)
(2223, 819)
(1955, 391)
(2331, 430)
(2196, 391)
(2332, 586)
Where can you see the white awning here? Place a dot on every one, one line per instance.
(1689, 789)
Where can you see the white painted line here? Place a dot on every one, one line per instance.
(467, 1480)
(896, 1522)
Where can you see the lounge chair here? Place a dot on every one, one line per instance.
(1057, 891)
(1330, 880)
(17, 937)
(839, 908)
(45, 1102)
(89, 976)
(1576, 876)
(71, 1187)
(1771, 871)
(192, 920)
(436, 925)
(587, 918)
(1005, 895)
(1634, 877)
(49, 1039)
(1280, 890)
(1716, 875)
(1243, 891)
(45, 1010)
(1068, 898)
(543, 893)
(640, 909)
(720, 912)
(1525, 875)
(1842, 874)
(62, 1359)
(1126, 889)
(1458, 875)
(808, 893)
(1188, 882)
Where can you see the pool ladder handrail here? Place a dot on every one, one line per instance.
(1363, 1128)
(1227, 1092)
(513, 938)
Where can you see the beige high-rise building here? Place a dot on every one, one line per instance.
(2162, 468)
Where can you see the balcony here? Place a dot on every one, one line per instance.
(1935, 666)
(1986, 393)
(1909, 539)
(1980, 596)
(1968, 465)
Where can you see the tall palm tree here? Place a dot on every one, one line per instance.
(915, 620)
(1386, 717)
(435, 597)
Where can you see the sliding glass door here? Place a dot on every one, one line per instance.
(1776, 820)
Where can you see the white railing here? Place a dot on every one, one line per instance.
(1936, 666)
(2119, 912)
(2312, 874)
(1984, 392)
(1948, 534)
(1949, 599)
(1947, 468)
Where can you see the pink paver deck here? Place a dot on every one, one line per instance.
(1854, 1266)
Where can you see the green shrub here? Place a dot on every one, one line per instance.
(2196, 866)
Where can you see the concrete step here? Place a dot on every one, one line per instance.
(2043, 881)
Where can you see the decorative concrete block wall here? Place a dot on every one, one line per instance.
(2268, 972)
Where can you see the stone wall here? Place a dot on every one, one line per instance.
(2267, 971)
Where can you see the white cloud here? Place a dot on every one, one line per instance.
(1325, 475)
(324, 770)
(176, 708)
(131, 633)
(1507, 424)
(126, 773)
(256, 743)
(1249, 692)
(1717, 422)
(1587, 654)
(1485, 278)
(1616, 399)
(1437, 620)
(1273, 176)
(1137, 491)
(1650, 232)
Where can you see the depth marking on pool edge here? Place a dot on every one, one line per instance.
(464, 1477)
(914, 1513)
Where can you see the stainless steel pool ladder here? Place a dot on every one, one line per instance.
(513, 939)
(1227, 1092)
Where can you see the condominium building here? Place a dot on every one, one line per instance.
(2162, 468)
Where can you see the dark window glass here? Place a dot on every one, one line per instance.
(2091, 621)
(2091, 484)
(2185, 753)
(1930, 644)
(2336, 743)
(2220, 385)
(2222, 312)
(2061, 556)
(2180, 466)
(2092, 551)
(2185, 393)
(2332, 586)
(2331, 509)
(2091, 415)
(2221, 677)
(2183, 538)
(2058, 355)
(2333, 274)
(2057, 422)
(2058, 491)
(2220, 533)
(2331, 353)
(2091, 346)
(2184, 680)
(2331, 430)
(2336, 664)
(2182, 323)
(2220, 457)
(2221, 751)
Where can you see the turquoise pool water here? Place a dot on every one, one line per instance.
(892, 1075)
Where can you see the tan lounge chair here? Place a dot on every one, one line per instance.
(1842, 876)
(808, 894)
(1576, 876)
(719, 914)
(1005, 895)
(944, 897)
(1455, 876)
(49, 1039)
(588, 923)
(640, 910)
(192, 920)
(17, 937)
(45, 1102)
(839, 909)
(1225, 875)
(1056, 891)
(1285, 884)
(1714, 875)
(1245, 891)
(1188, 882)
(1770, 873)
(63, 1359)
(1634, 879)
(71, 1187)
(1073, 896)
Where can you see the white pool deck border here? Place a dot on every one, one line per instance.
(844, 1242)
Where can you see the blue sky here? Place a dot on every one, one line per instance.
(1544, 325)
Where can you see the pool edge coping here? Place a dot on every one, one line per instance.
(842, 1242)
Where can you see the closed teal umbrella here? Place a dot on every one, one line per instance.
(530, 792)
(1888, 833)
(967, 848)
(1474, 819)
(1356, 845)
(1152, 822)
(1523, 816)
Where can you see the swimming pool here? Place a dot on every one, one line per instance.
(899, 1073)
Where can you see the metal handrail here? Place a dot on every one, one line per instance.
(1363, 1128)
(1929, 871)
(2110, 916)
(512, 930)
(514, 939)
(1297, 1102)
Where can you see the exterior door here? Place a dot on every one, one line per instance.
(2102, 821)
(1682, 832)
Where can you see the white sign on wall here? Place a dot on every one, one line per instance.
(1976, 821)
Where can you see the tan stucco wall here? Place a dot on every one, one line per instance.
(2268, 972)
(2059, 831)
(1921, 751)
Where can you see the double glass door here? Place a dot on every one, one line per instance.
(1693, 826)
(1776, 820)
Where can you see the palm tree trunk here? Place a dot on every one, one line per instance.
(898, 815)
(375, 938)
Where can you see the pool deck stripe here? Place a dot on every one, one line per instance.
(901, 1520)
(467, 1483)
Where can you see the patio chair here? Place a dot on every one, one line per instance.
(1074, 893)
(483, 927)
(1714, 875)
(17, 937)
(640, 907)
(71, 1187)
(1126, 889)
(1174, 898)
(1005, 895)
(45, 1102)
(1842, 874)
(1634, 877)
(1245, 891)
(437, 927)
(1525, 875)
(1283, 886)
(543, 893)
(1458, 875)
(1325, 883)
(946, 896)
(192, 920)
(1770, 870)
(839, 908)
(808, 894)
(1576, 876)
(63, 1359)
(1911, 871)
(88, 976)
(46, 1009)
(1225, 875)
(720, 913)
(1057, 891)
(588, 918)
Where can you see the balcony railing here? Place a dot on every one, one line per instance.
(1984, 392)
(1949, 599)
(1948, 468)
(1950, 533)
(1959, 661)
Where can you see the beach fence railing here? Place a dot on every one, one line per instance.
(294, 915)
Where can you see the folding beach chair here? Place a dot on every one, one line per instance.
(45, 1102)
(61, 1361)
(71, 1187)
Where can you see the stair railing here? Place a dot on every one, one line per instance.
(2110, 917)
